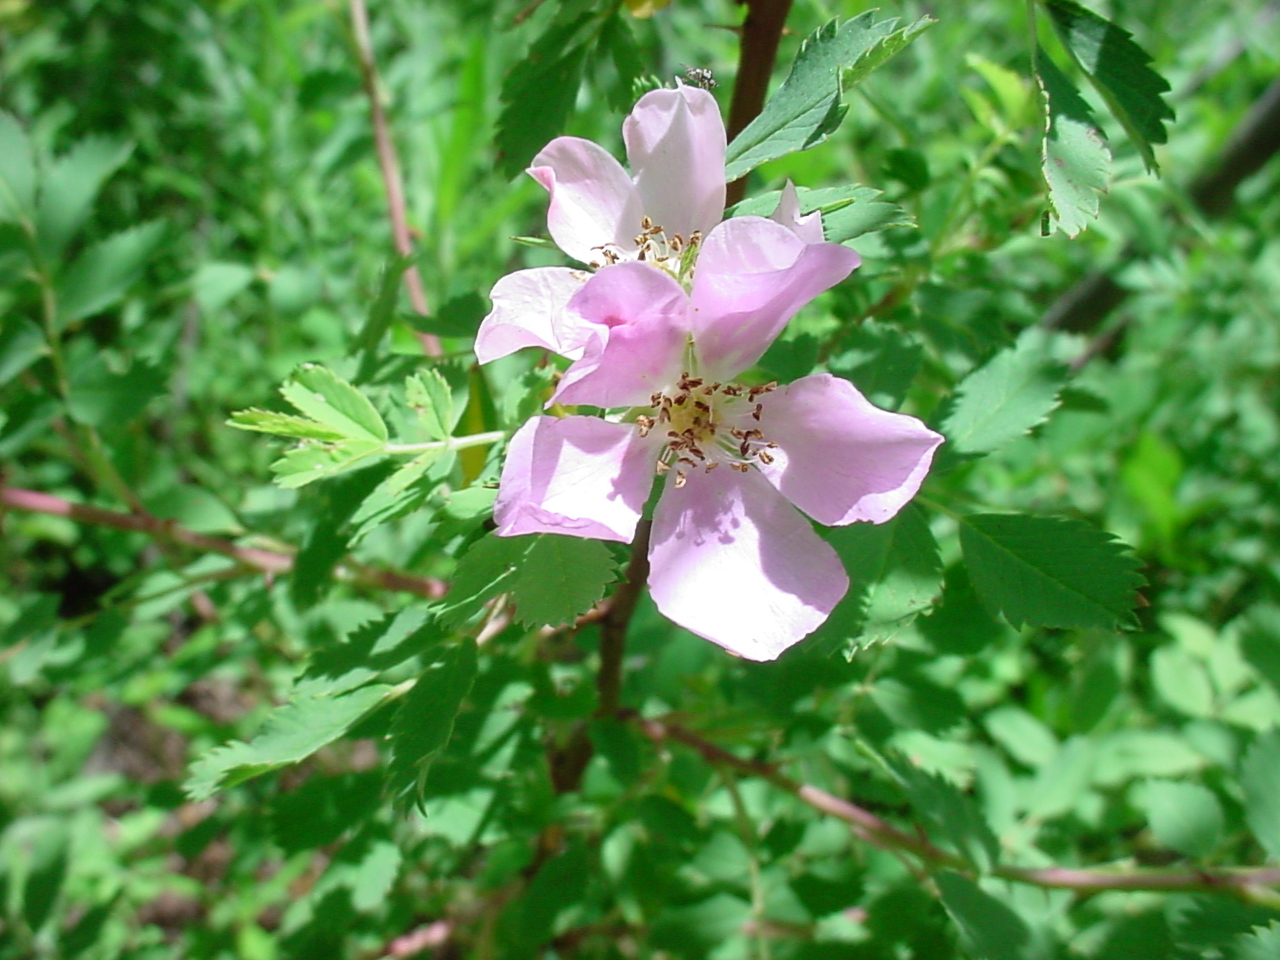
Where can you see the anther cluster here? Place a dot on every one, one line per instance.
(707, 424)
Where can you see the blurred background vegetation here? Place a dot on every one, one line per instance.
(243, 207)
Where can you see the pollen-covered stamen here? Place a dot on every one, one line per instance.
(707, 424)
(674, 252)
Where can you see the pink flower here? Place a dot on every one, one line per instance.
(600, 215)
(731, 558)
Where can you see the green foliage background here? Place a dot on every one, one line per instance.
(199, 759)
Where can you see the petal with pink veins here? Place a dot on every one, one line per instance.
(675, 144)
(594, 204)
(753, 275)
(732, 561)
(641, 315)
(528, 311)
(839, 457)
(577, 476)
(807, 228)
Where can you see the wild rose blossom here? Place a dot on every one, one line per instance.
(662, 329)
(600, 215)
(730, 558)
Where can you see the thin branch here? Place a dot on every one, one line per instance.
(168, 531)
(761, 33)
(390, 166)
(1252, 884)
(615, 621)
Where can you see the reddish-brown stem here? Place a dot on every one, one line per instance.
(389, 163)
(761, 33)
(267, 561)
(616, 619)
(1248, 883)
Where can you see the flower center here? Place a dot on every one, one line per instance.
(675, 254)
(707, 424)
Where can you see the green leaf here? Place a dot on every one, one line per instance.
(344, 426)
(1262, 943)
(381, 312)
(955, 816)
(990, 928)
(915, 702)
(1185, 817)
(292, 732)
(701, 926)
(431, 398)
(215, 283)
(895, 574)
(560, 578)
(99, 397)
(103, 273)
(458, 317)
(1050, 572)
(559, 885)
(305, 465)
(539, 92)
(552, 579)
(70, 187)
(959, 623)
(1182, 681)
(619, 40)
(283, 425)
(847, 212)
(1260, 779)
(424, 721)
(1075, 161)
(328, 539)
(1260, 642)
(328, 399)
(880, 360)
(1119, 70)
(21, 344)
(486, 570)
(17, 172)
(809, 105)
(405, 490)
(1005, 397)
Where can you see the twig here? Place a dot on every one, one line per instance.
(616, 619)
(568, 761)
(168, 531)
(390, 166)
(761, 33)
(1247, 883)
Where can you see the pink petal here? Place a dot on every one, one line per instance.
(593, 201)
(807, 228)
(732, 561)
(528, 311)
(753, 275)
(839, 457)
(641, 315)
(675, 145)
(578, 476)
